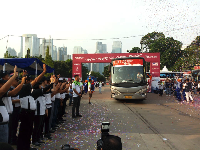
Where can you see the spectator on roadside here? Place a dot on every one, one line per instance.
(183, 90)
(90, 90)
(188, 89)
(70, 95)
(167, 88)
(100, 86)
(160, 87)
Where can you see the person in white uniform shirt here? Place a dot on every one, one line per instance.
(27, 112)
(4, 117)
(76, 97)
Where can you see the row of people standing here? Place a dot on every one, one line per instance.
(182, 89)
(38, 102)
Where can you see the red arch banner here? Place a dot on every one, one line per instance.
(78, 59)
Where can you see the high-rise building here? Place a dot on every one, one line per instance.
(54, 56)
(43, 47)
(29, 41)
(77, 50)
(117, 47)
(100, 48)
(11, 51)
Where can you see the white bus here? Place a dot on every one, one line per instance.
(128, 78)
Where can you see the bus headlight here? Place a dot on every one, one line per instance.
(141, 91)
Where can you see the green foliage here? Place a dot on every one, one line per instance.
(64, 68)
(85, 72)
(40, 57)
(150, 38)
(48, 60)
(7, 55)
(98, 76)
(190, 56)
(169, 49)
(134, 50)
(28, 54)
(106, 73)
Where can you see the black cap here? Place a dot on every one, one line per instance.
(29, 77)
(2, 80)
(3, 73)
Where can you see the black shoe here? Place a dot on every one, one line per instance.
(48, 137)
(56, 126)
(40, 141)
(73, 116)
(64, 115)
(13, 143)
(52, 131)
(89, 103)
(78, 115)
(33, 148)
(63, 120)
(36, 144)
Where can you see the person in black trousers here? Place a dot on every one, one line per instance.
(27, 112)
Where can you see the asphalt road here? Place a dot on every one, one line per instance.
(159, 123)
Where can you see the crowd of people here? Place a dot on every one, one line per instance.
(183, 89)
(37, 105)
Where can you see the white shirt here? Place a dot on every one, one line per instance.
(58, 95)
(89, 86)
(100, 84)
(75, 85)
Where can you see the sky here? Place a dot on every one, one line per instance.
(83, 22)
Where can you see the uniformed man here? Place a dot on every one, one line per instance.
(76, 97)
(27, 112)
(4, 117)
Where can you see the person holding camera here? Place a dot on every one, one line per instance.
(76, 97)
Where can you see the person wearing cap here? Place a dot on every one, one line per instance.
(64, 97)
(49, 107)
(57, 104)
(40, 89)
(14, 117)
(27, 112)
(4, 119)
(76, 97)
(8, 103)
(54, 92)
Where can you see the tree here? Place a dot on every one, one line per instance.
(98, 76)
(48, 60)
(28, 54)
(85, 72)
(134, 50)
(64, 68)
(190, 56)
(106, 72)
(150, 38)
(7, 55)
(169, 49)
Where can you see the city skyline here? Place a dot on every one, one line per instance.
(133, 19)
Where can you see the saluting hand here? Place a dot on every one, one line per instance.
(23, 80)
(15, 71)
(44, 68)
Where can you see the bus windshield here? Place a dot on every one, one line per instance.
(133, 74)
